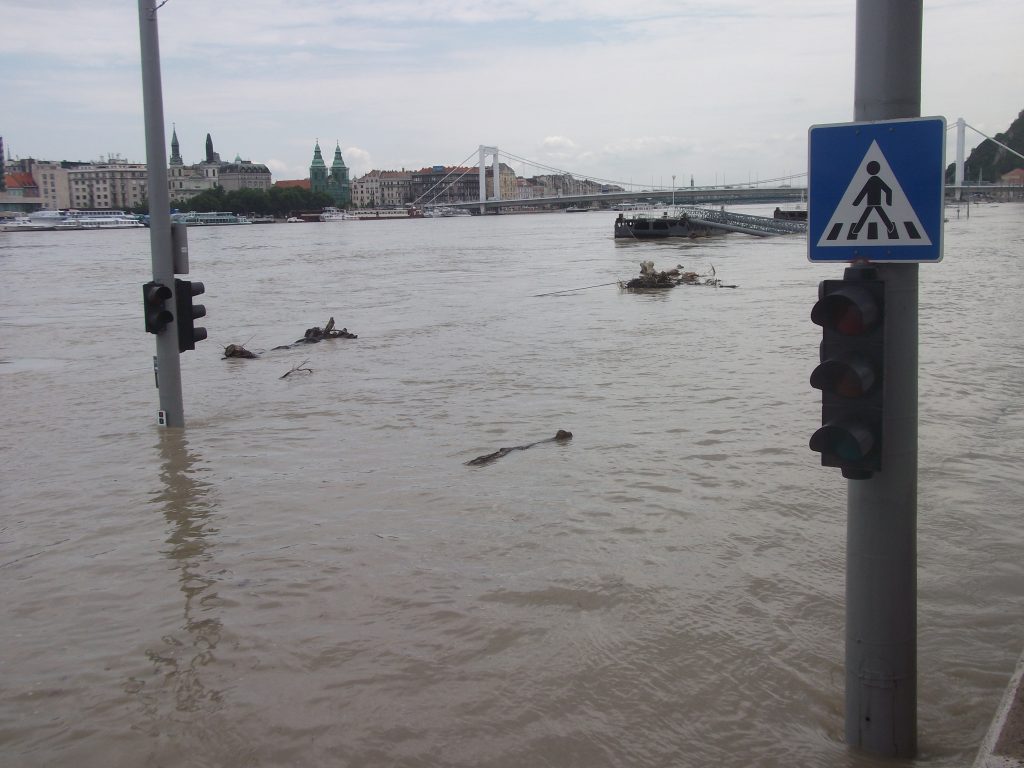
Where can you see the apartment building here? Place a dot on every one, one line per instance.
(381, 189)
(115, 184)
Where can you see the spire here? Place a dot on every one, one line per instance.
(318, 159)
(175, 148)
(209, 149)
(338, 162)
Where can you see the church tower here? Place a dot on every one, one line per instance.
(176, 171)
(318, 171)
(175, 148)
(211, 156)
(340, 186)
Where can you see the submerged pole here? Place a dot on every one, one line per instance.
(166, 362)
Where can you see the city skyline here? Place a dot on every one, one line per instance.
(632, 95)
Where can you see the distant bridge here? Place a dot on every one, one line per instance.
(493, 201)
(777, 190)
(682, 196)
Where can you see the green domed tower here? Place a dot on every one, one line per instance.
(339, 186)
(318, 171)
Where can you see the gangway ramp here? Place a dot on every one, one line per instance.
(694, 221)
(760, 226)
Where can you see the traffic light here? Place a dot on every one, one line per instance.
(187, 313)
(154, 304)
(850, 376)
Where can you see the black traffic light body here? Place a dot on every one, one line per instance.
(850, 375)
(187, 313)
(156, 306)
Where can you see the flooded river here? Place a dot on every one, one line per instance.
(310, 575)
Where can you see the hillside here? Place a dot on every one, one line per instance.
(988, 161)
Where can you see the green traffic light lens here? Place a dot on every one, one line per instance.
(847, 448)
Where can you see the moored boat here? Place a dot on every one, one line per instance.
(335, 214)
(210, 219)
(24, 224)
(695, 221)
(99, 220)
(645, 227)
(45, 220)
(378, 214)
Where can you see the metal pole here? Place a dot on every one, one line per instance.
(168, 363)
(881, 549)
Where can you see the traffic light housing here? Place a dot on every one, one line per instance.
(155, 297)
(187, 313)
(850, 375)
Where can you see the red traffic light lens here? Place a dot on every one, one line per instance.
(846, 317)
(851, 310)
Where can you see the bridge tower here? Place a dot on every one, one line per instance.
(496, 175)
(959, 169)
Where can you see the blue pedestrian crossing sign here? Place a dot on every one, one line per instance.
(876, 191)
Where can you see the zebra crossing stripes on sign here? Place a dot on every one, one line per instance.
(876, 191)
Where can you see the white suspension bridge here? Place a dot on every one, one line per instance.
(568, 188)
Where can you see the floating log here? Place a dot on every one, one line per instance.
(237, 350)
(561, 436)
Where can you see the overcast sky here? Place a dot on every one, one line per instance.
(724, 90)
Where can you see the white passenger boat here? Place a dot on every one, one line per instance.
(98, 220)
(334, 214)
(72, 219)
(211, 219)
(378, 214)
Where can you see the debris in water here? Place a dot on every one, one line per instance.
(651, 279)
(297, 368)
(315, 335)
(238, 350)
(561, 436)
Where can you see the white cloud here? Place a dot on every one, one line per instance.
(726, 88)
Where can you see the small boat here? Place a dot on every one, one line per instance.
(24, 224)
(294, 220)
(790, 214)
(577, 209)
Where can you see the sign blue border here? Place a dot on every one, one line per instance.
(915, 149)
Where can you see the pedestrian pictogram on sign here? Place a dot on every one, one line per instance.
(874, 206)
(876, 191)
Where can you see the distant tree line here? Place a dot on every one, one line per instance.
(276, 201)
